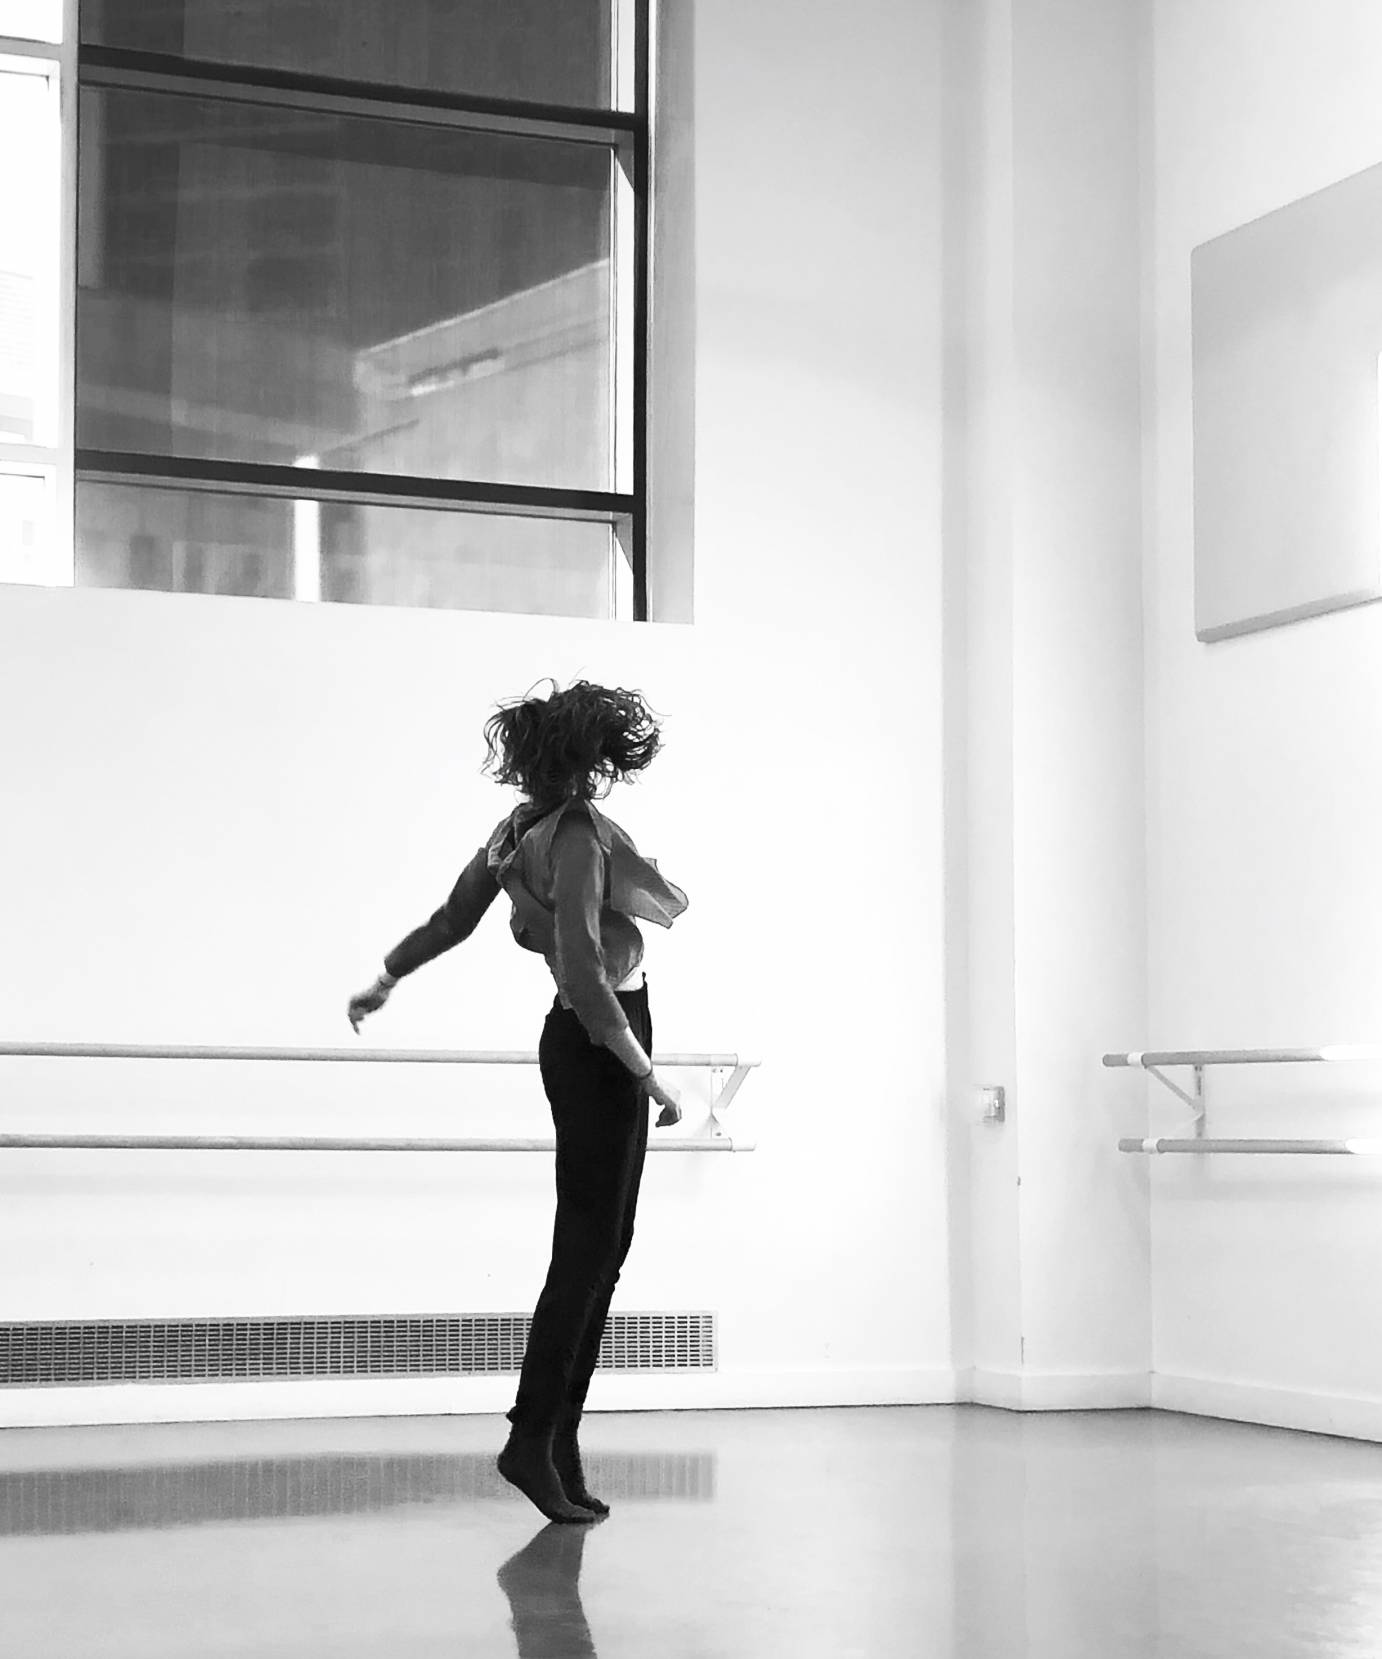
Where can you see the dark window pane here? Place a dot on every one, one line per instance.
(542, 51)
(195, 541)
(262, 284)
(175, 542)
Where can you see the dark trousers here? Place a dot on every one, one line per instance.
(601, 1116)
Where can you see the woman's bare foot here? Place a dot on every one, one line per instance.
(566, 1460)
(526, 1462)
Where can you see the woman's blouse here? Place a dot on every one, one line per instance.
(576, 882)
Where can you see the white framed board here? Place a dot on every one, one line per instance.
(1286, 326)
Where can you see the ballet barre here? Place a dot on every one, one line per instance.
(1198, 1059)
(718, 1139)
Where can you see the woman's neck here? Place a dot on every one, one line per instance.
(547, 805)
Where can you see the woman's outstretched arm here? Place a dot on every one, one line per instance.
(456, 919)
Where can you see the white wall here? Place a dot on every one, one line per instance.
(218, 814)
(1045, 765)
(1264, 789)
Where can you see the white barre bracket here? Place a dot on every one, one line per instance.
(1153, 1064)
(1195, 1101)
(725, 1093)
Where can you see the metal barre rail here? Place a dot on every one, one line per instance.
(718, 1141)
(1199, 1058)
(409, 1056)
(1354, 1148)
(324, 1143)
(1242, 1056)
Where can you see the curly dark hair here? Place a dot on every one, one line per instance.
(560, 746)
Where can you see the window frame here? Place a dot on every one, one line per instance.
(52, 460)
(625, 132)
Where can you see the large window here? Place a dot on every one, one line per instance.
(360, 302)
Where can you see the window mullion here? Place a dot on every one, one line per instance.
(641, 182)
(150, 72)
(383, 489)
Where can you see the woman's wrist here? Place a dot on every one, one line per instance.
(629, 1052)
(386, 979)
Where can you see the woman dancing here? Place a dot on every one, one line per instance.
(577, 883)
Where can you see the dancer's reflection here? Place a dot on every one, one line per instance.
(576, 882)
(542, 1582)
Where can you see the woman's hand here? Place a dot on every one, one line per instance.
(367, 1002)
(668, 1098)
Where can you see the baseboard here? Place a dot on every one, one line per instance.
(1355, 1417)
(295, 1400)
(1029, 1390)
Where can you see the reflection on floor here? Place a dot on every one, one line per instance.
(882, 1532)
(168, 1494)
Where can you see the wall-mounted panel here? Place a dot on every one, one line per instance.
(1287, 331)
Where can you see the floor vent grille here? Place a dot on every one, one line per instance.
(66, 1353)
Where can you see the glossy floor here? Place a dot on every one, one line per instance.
(916, 1531)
